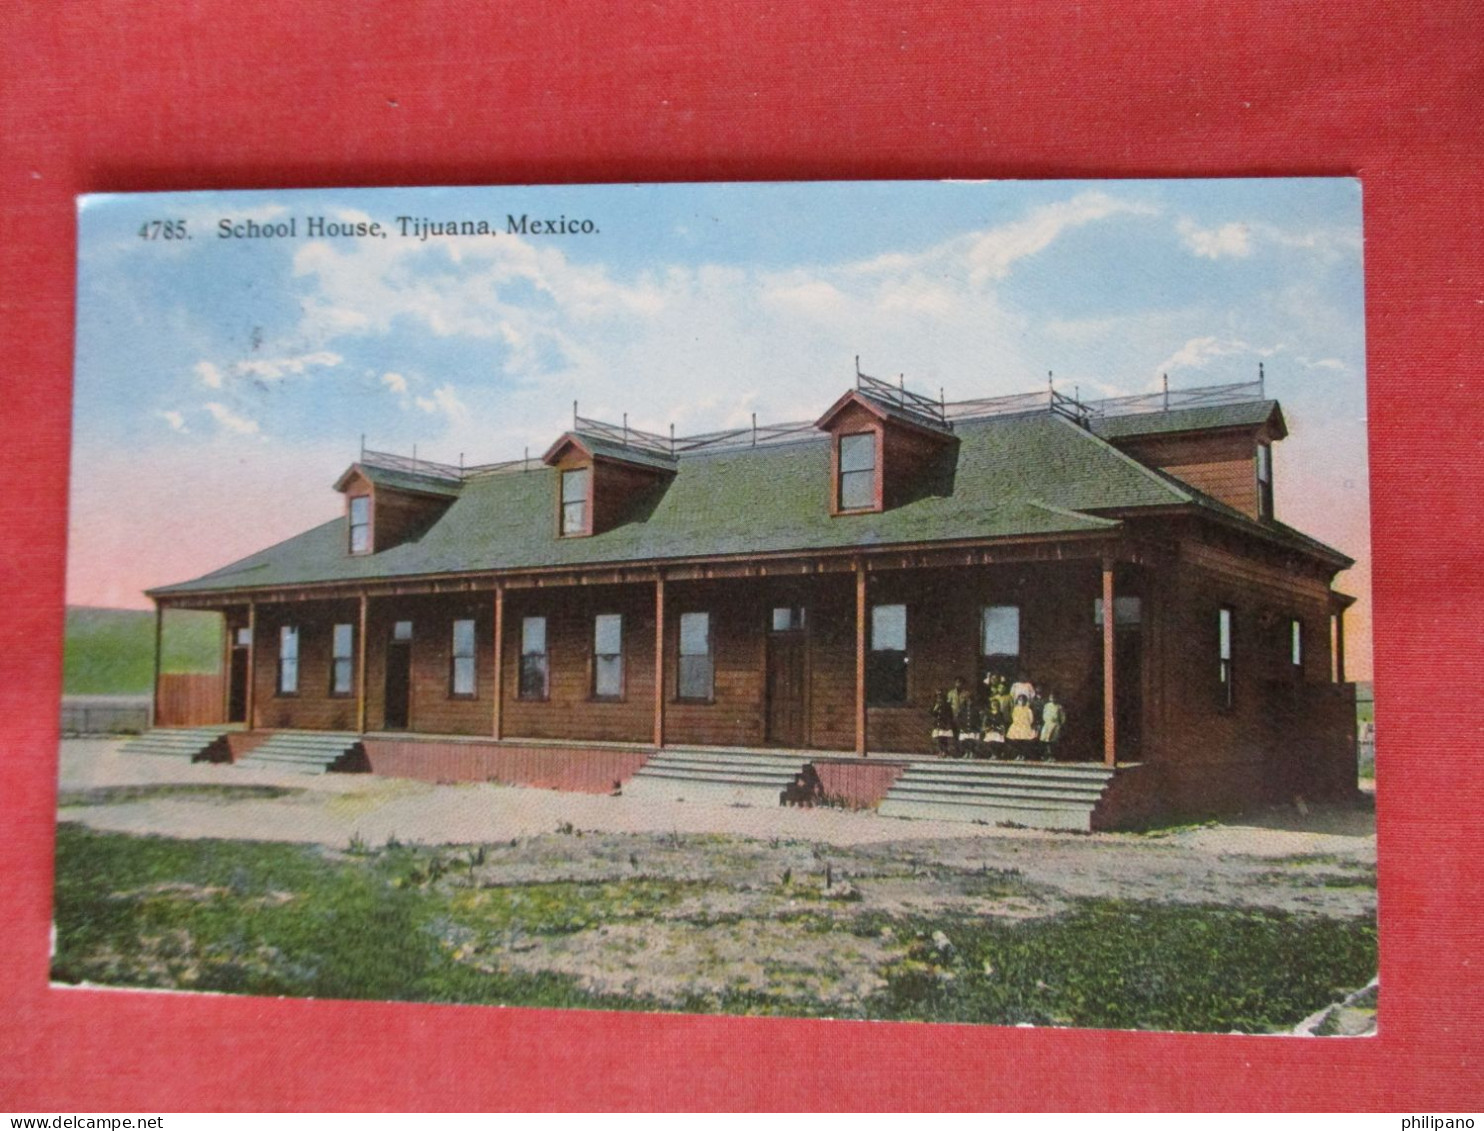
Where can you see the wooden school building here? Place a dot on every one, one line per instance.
(718, 612)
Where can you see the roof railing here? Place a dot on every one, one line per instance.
(390, 461)
(939, 413)
(901, 398)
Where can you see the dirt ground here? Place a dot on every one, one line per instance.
(672, 903)
(1320, 861)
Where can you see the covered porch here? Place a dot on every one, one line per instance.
(834, 653)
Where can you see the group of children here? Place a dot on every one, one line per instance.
(1005, 720)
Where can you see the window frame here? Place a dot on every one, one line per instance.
(598, 657)
(1226, 647)
(681, 655)
(999, 663)
(348, 660)
(366, 525)
(521, 685)
(1296, 645)
(287, 632)
(840, 506)
(471, 656)
(585, 526)
(1263, 471)
(883, 664)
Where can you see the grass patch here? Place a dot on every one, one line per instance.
(123, 794)
(1123, 965)
(418, 923)
(112, 651)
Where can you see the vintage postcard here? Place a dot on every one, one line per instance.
(906, 601)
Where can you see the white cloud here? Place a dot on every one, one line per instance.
(994, 252)
(209, 374)
(1228, 241)
(175, 419)
(277, 368)
(395, 382)
(229, 420)
(1197, 353)
(444, 401)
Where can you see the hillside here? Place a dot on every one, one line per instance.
(111, 651)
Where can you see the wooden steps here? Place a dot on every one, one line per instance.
(309, 752)
(194, 744)
(1039, 795)
(728, 777)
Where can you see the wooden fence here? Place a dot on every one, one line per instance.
(189, 700)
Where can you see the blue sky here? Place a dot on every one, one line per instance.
(232, 369)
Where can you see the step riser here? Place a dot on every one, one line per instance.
(1037, 818)
(666, 789)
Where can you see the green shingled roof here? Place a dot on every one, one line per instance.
(405, 480)
(1009, 476)
(1245, 414)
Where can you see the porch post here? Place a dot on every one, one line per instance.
(252, 664)
(1110, 737)
(225, 705)
(498, 723)
(154, 707)
(1339, 645)
(860, 658)
(659, 660)
(361, 667)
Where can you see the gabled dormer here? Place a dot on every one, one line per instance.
(880, 451)
(598, 481)
(1223, 450)
(385, 507)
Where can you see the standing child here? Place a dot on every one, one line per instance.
(1053, 718)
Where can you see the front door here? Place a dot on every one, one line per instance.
(786, 677)
(237, 685)
(398, 683)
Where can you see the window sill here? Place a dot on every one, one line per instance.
(688, 702)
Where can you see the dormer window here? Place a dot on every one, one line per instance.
(575, 485)
(883, 451)
(858, 463)
(360, 524)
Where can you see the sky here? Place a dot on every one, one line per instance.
(225, 380)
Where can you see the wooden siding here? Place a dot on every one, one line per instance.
(190, 700)
(1210, 758)
(1223, 466)
(313, 707)
(570, 710)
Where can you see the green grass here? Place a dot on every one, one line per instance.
(112, 651)
(425, 924)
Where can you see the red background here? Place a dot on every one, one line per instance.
(194, 95)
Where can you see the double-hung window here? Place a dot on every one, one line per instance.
(999, 640)
(886, 666)
(857, 471)
(288, 659)
(461, 681)
(360, 524)
(574, 501)
(696, 674)
(1264, 481)
(342, 662)
(533, 658)
(608, 656)
(1226, 694)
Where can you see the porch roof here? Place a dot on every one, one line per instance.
(1024, 476)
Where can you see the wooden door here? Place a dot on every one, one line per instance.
(786, 688)
(237, 686)
(398, 684)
